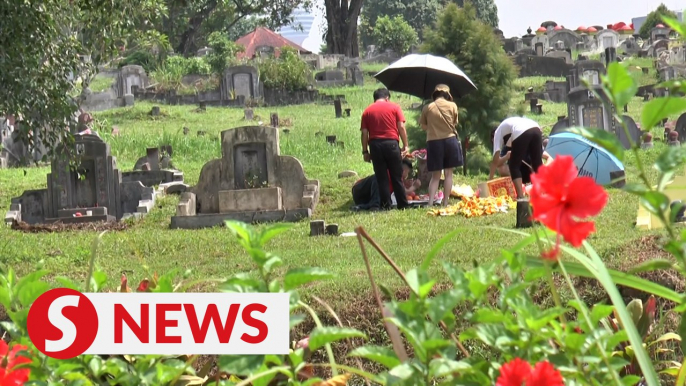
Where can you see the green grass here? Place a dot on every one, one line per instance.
(210, 253)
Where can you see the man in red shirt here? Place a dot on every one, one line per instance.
(383, 125)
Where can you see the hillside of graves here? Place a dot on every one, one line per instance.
(142, 246)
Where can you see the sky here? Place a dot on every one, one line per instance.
(516, 16)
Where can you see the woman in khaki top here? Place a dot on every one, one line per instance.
(443, 151)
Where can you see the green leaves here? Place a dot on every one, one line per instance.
(321, 336)
(621, 84)
(240, 364)
(607, 140)
(382, 355)
(300, 276)
(660, 108)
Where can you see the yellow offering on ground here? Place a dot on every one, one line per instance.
(476, 207)
(463, 191)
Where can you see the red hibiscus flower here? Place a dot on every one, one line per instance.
(8, 375)
(514, 373)
(517, 372)
(560, 199)
(544, 374)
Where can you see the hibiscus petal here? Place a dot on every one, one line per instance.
(513, 373)
(585, 198)
(575, 232)
(544, 374)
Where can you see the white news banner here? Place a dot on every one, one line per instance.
(191, 323)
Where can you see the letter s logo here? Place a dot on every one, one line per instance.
(65, 325)
(62, 323)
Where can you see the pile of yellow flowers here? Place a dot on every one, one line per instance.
(477, 207)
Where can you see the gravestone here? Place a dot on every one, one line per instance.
(569, 38)
(635, 133)
(248, 114)
(156, 168)
(129, 77)
(337, 108)
(240, 81)
(329, 75)
(610, 55)
(251, 182)
(607, 38)
(540, 41)
(561, 54)
(91, 191)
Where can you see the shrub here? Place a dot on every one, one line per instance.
(190, 66)
(287, 72)
(394, 33)
(141, 58)
(223, 52)
(473, 47)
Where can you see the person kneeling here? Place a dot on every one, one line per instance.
(366, 191)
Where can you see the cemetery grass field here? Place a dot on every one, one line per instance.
(212, 253)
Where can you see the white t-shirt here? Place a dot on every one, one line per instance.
(512, 127)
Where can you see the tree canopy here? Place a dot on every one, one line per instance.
(52, 45)
(394, 33)
(653, 19)
(418, 14)
(473, 47)
(486, 10)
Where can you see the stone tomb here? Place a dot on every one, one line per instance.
(92, 191)
(585, 110)
(252, 183)
(240, 81)
(155, 168)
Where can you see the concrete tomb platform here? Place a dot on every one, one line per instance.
(90, 192)
(251, 182)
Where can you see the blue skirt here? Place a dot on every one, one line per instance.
(443, 154)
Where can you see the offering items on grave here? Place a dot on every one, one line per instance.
(502, 186)
(477, 207)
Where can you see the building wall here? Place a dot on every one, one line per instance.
(310, 37)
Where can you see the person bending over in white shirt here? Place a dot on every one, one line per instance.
(525, 139)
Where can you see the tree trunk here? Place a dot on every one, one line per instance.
(187, 40)
(341, 19)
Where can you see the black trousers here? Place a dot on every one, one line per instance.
(386, 159)
(366, 193)
(528, 145)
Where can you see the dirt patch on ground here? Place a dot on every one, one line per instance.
(645, 249)
(61, 227)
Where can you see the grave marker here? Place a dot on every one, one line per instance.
(274, 120)
(251, 182)
(337, 108)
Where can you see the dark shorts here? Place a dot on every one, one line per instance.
(443, 154)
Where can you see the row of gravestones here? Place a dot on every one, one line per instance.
(584, 109)
(251, 182)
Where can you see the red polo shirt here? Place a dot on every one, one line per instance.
(381, 120)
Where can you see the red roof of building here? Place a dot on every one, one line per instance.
(265, 37)
(660, 26)
(581, 28)
(625, 28)
(541, 29)
(618, 26)
(591, 29)
(557, 28)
